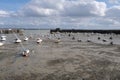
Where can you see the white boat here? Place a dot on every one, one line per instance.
(58, 40)
(1, 44)
(3, 38)
(25, 53)
(18, 41)
(26, 39)
(39, 40)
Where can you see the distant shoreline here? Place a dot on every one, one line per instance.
(84, 31)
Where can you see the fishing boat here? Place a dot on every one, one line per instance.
(25, 53)
(39, 40)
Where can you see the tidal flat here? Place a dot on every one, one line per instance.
(69, 59)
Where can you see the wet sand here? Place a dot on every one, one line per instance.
(67, 60)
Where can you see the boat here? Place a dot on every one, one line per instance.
(79, 40)
(1, 44)
(26, 39)
(25, 53)
(58, 40)
(39, 40)
(88, 40)
(3, 38)
(18, 40)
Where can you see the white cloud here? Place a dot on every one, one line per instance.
(84, 14)
(113, 11)
(63, 8)
(4, 13)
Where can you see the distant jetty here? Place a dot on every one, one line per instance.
(8, 31)
(83, 31)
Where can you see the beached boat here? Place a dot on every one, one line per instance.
(25, 53)
(26, 39)
(88, 40)
(1, 44)
(18, 40)
(3, 38)
(39, 40)
(58, 40)
(79, 40)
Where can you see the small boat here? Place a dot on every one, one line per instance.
(18, 40)
(3, 38)
(26, 39)
(111, 38)
(98, 38)
(104, 40)
(39, 40)
(73, 38)
(79, 40)
(88, 40)
(25, 53)
(1, 44)
(111, 43)
(58, 40)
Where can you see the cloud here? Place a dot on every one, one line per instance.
(80, 14)
(85, 9)
(36, 8)
(114, 1)
(4, 13)
(113, 11)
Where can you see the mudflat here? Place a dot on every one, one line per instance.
(66, 60)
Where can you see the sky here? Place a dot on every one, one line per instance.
(67, 14)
